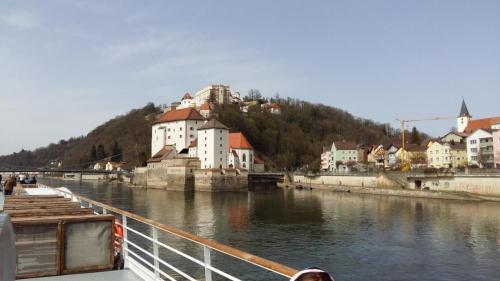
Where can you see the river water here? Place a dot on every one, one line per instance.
(356, 237)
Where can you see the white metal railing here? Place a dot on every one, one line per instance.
(134, 255)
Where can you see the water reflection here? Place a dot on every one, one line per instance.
(357, 237)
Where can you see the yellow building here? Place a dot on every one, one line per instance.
(446, 155)
(413, 154)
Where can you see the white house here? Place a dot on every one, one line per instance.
(391, 158)
(97, 166)
(343, 152)
(177, 127)
(241, 152)
(480, 148)
(213, 145)
(186, 101)
(325, 159)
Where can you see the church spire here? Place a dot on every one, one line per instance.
(464, 112)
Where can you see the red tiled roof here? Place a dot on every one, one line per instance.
(187, 96)
(345, 145)
(162, 154)
(484, 123)
(205, 106)
(180, 114)
(239, 141)
(257, 160)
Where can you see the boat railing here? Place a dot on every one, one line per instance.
(135, 255)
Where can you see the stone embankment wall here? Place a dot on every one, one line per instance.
(337, 180)
(479, 184)
(475, 184)
(215, 180)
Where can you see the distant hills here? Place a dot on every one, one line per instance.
(129, 133)
(291, 140)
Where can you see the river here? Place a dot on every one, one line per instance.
(354, 236)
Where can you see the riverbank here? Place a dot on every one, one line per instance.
(448, 195)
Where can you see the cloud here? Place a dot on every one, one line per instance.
(20, 19)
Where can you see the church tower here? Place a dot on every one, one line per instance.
(463, 118)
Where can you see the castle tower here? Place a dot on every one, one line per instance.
(464, 118)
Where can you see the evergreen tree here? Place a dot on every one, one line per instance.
(415, 136)
(116, 153)
(93, 153)
(101, 153)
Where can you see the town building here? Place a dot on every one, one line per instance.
(325, 159)
(414, 154)
(186, 101)
(206, 110)
(241, 152)
(446, 155)
(259, 166)
(177, 127)
(213, 145)
(376, 156)
(454, 137)
(496, 147)
(465, 123)
(391, 159)
(220, 94)
(480, 148)
(272, 108)
(343, 154)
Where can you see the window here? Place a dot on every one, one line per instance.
(168, 130)
(473, 141)
(244, 157)
(221, 152)
(180, 136)
(220, 145)
(191, 128)
(191, 136)
(220, 138)
(180, 129)
(221, 161)
(168, 137)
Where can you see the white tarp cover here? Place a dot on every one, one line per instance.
(7, 249)
(87, 244)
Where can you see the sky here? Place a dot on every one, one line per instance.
(69, 66)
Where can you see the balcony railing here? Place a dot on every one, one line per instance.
(146, 261)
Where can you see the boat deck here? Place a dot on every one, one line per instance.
(122, 275)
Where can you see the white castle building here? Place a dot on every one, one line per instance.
(177, 128)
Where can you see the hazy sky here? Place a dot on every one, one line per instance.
(68, 66)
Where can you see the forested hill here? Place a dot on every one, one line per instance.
(291, 140)
(295, 138)
(124, 138)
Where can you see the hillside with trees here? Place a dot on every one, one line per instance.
(288, 141)
(294, 139)
(125, 138)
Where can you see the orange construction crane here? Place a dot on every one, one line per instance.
(402, 122)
